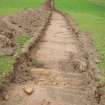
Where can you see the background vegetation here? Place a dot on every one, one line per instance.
(11, 6)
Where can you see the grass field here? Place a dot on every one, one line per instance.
(90, 16)
(11, 6)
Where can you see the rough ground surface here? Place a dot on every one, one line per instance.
(66, 78)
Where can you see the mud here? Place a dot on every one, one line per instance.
(69, 73)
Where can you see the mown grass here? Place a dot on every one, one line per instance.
(11, 6)
(6, 65)
(90, 16)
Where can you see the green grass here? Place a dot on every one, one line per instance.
(90, 16)
(6, 64)
(23, 39)
(11, 6)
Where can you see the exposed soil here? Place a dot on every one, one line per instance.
(68, 75)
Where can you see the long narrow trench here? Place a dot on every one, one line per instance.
(57, 44)
(58, 82)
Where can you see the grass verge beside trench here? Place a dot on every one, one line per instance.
(6, 65)
(90, 16)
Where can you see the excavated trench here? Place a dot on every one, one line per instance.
(66, 77)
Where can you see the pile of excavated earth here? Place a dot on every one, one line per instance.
(28, 22)
(26, 25)
(60, 69)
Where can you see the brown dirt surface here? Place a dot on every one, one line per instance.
(68, 75)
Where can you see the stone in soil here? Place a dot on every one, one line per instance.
(28, 90)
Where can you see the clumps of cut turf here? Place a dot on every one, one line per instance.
(22, 40)
(37, 63)
(6, 65)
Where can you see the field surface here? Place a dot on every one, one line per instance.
(90, 16)
(12, 6)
